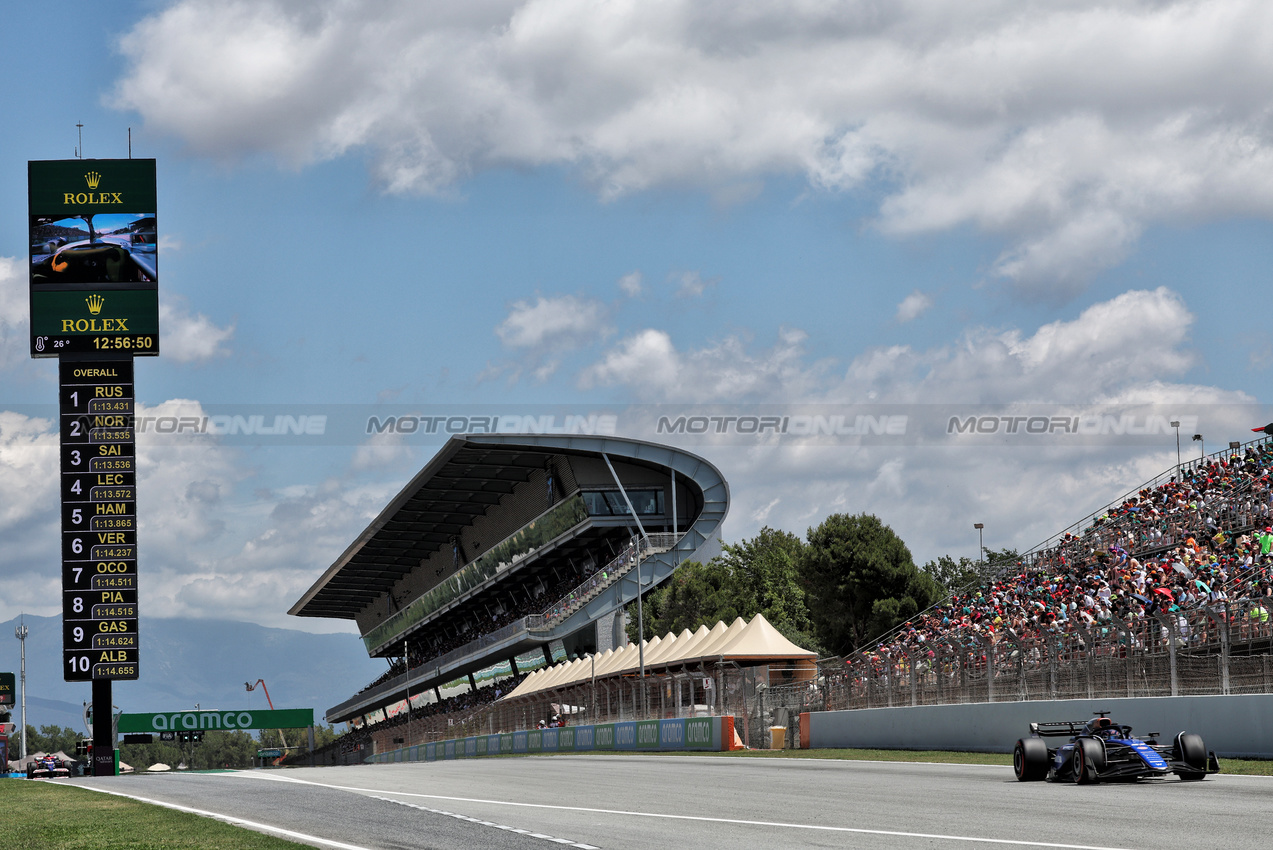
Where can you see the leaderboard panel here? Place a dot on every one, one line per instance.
(99, 521)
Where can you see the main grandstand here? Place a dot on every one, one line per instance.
(510, 552)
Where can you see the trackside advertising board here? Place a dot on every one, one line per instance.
(697, 733)
(179, 721)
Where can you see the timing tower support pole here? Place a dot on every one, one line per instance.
(103, 729)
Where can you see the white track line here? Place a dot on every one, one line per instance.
(848, 829)
(237, 821)
(565, 842)
(231, 819)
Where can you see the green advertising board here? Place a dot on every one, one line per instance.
(8, 685)
(94, 274)
(180, 721)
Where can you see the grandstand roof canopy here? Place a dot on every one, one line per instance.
(462, 482)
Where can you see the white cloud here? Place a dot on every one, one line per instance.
(28, 465)
(208, 548)
(1033, 122)
(631, 284)
(15, 343)
(649, 364)
(1133, 338)
(187, 338)
(913, 306)
(1137, 336)
(692, 284)
(542, 331)
(552, 323)
(1116, 354)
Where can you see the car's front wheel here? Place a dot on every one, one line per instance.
(1087, 761)
(1192, 751)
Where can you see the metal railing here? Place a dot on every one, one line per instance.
(618, 567)
(589, 589)
(1221, 649)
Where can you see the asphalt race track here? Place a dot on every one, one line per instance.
(696, 802)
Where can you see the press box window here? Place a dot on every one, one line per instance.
(610, 502)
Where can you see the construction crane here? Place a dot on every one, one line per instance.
(270, 702)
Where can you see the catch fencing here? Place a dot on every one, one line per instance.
(1225, 649)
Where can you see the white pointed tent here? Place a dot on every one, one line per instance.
(742, 643)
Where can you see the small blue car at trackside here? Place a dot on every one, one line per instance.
(1100, 750)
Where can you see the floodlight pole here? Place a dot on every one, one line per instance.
(21, 633)
(981, 546)
(1175, 423)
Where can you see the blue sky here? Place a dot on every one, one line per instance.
(560, 206)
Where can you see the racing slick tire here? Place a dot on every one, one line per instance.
(1030, 760)
(1087, 762)
(1190, 749)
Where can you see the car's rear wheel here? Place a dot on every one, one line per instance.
(1030, 760)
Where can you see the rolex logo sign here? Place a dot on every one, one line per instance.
(95, 303)
(93, 179)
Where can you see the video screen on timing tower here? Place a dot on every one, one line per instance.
(94, 257)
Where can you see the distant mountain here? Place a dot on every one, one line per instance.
(184, 662)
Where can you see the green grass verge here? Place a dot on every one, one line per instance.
(52, 816)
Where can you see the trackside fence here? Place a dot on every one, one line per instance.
(1220, 650)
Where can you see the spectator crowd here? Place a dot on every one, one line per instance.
(1198, 541)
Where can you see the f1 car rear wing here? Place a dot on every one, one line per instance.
(1058, 729)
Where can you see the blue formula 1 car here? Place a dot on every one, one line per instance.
(1101, 750)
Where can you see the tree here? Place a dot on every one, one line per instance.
(954, 575)
(765, 578)
(1001, 561)
(50, 739)
(756, 576)
(695, 594)
(860, 581)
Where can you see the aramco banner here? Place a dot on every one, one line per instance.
(180, 721)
